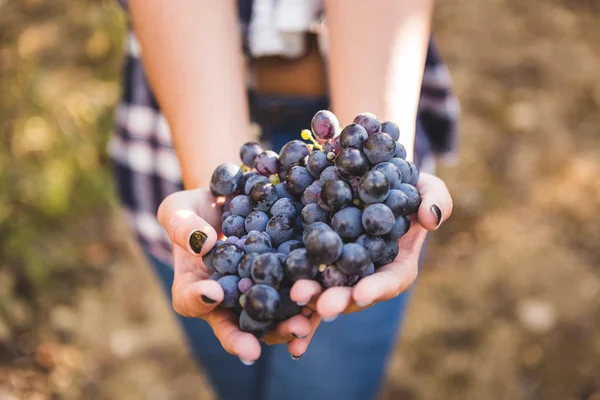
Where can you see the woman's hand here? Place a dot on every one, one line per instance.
(189, 217)
(390, 280)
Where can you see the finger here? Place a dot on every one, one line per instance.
(436, 204)
(333, 302)
(184, 226)
(304, 290)
(298, 347)
(297, 327)
(224, 324)
(392, 279)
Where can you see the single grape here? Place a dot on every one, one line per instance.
(379, 147)
(299, 266)
(391, 129)
(298, 180)
(248, 153)
(315, 226)
(354, 136)
(285, 207)
(256, 221)
(245, 284)
(324, 124)
(404, 169)
(283, 191)
(323, 246)
(391, 172)
(245, 265)
(257, 328)
(400, 151)
(329, 173)
(267, 269)
(267, 163)
(293, 153)
(312, 193)
(281, 229)
(288, 307)
(313, 213)
(414, 176)
(347, 223)
(373, 187)
(260, 243)
(262, 302)
(241, 243)
(368, 121)
(401, 226)
(317, 161)
(234, 226)
(226, 179)
(351, 162)
(373, 244)
(240, 205)
(289, 246)
(216, 276)
(253, 180)
(414, 197)
(335, 195)
(397, 201)
(378, 219)
(332, 277)
(354, 259)
(229, 283)
(227, 258)
(390, 253)
(262, 196)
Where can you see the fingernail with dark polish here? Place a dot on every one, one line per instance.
(296, 358)
(299, 337)
(207, 300)
(437, 212)
(197, 240)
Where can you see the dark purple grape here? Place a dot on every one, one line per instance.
(312, 193)
(391, 172)
(240, 205)
(378, 219)
(293, 153)
(317, 161)
(397, 201)
(267, 163)
(226, 179)
(354, 136)
(354, 259)
(401, 226)
(253, 180)
(262, 302)
(404, 168)
(347, 223)
(351, 162)
(234, 226)
(368, 121)
(216, 276)
(369, 271)
(298, 180)
(288, 307)
(414, 197)
(380, 147)
(414, 176)
(227, 258)
(260, 243)
(267, 269)
(248, 153)
(245, 284)
(325, 125)
(332, 277)
(229, 283)
(257, 328)
(400, 151)
(390, 253)
(285, 207)
(283, 191)
(373, 187)
(391, 129)
(315, 226)
(313, 213)
(281, 229)
(373, 244)
(207, 259)
(241, 243)
(328, 174)
(256, 221)
(225, 215)
(299, 266)
(335, 195)
(323, 246)
(337, 147)
(289, 246)
(245, 265)
(262, 196)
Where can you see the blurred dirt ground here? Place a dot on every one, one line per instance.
(508, 301)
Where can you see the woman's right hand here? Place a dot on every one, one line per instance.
(189, 217)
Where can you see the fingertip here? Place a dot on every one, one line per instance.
(333, 302)
(210, 292)
(304, 290)
(246, 347)
(365, 292)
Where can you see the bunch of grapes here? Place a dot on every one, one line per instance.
(331, 211)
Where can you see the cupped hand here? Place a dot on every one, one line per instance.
(390, 280)
(189, 217)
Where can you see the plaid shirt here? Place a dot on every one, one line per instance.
(146, 168)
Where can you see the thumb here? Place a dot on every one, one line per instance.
(186, 228)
